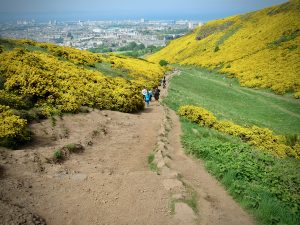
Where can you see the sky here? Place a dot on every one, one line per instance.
(128, 9)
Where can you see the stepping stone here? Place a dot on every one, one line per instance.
(170, 184)
(168, 173)
(78, 177)
(184, 214)
(178, 196)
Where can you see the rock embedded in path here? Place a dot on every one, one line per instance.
(184, 214)
(170, 184)
(168, 173)
(79, 177)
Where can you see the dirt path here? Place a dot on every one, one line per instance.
(110, 183)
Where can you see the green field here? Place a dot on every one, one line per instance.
(107, 69)
(266, 186)
(226, 99)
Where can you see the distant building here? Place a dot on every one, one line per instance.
(181, 22)
(52, 22)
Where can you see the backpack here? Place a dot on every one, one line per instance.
(147, 97)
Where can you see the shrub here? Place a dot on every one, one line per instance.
(269, 43)
(60, 79)
(258, 180)
(13, 131)
(58, 155)
(63, 153)
(12, 100)
(60, 86)
(74, 148)
(216, 49)
(198, 115)
(163, 62)
(262, 138)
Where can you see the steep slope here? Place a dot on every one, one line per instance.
(40, 79)
(261, 49)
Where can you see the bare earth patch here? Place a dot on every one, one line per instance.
(110, 183)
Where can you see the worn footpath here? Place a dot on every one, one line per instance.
(110, 183)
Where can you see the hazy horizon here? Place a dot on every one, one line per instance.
(67, 10)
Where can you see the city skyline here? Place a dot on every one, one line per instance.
(65, 10)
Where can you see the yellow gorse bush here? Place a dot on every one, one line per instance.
(261, 49)
(262, 138)
(61, 79)
(137, 68)
(10, 124)
(198, 115)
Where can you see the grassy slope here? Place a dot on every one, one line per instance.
(227, 100)
(265, 185)
(261, 49)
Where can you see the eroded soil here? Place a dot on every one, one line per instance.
(110, 181)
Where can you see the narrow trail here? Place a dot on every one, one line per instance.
(110, 183)
(196, 197)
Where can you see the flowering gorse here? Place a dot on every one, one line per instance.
(261, 49)
(262, 138)
(58, 79)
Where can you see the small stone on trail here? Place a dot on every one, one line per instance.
(178, 196)
(172, 183)
(79, 177)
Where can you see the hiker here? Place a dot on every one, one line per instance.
(147, 97)
(164, 82)
(156, 93)
(151, 94)
(144, 91)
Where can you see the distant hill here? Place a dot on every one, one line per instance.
(261, 49)
(41, 80)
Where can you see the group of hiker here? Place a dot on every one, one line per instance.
(148, 94)
(155, 92)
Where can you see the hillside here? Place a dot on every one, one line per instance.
(248, 139)
(39, 80)
(261, 49)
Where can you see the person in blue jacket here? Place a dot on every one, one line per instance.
(147, 97)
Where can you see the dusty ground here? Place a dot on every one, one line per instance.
(110, 182)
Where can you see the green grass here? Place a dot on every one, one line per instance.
(191, 202)
(228, 34)
(267, 186)
(152, 165)
(63, 153)
(58, 155)
(106, 69)
(287, 36)
(71, 147)
(8, 45)
(226, 99)
(190, 197)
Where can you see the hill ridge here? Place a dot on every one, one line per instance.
(260, 48)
